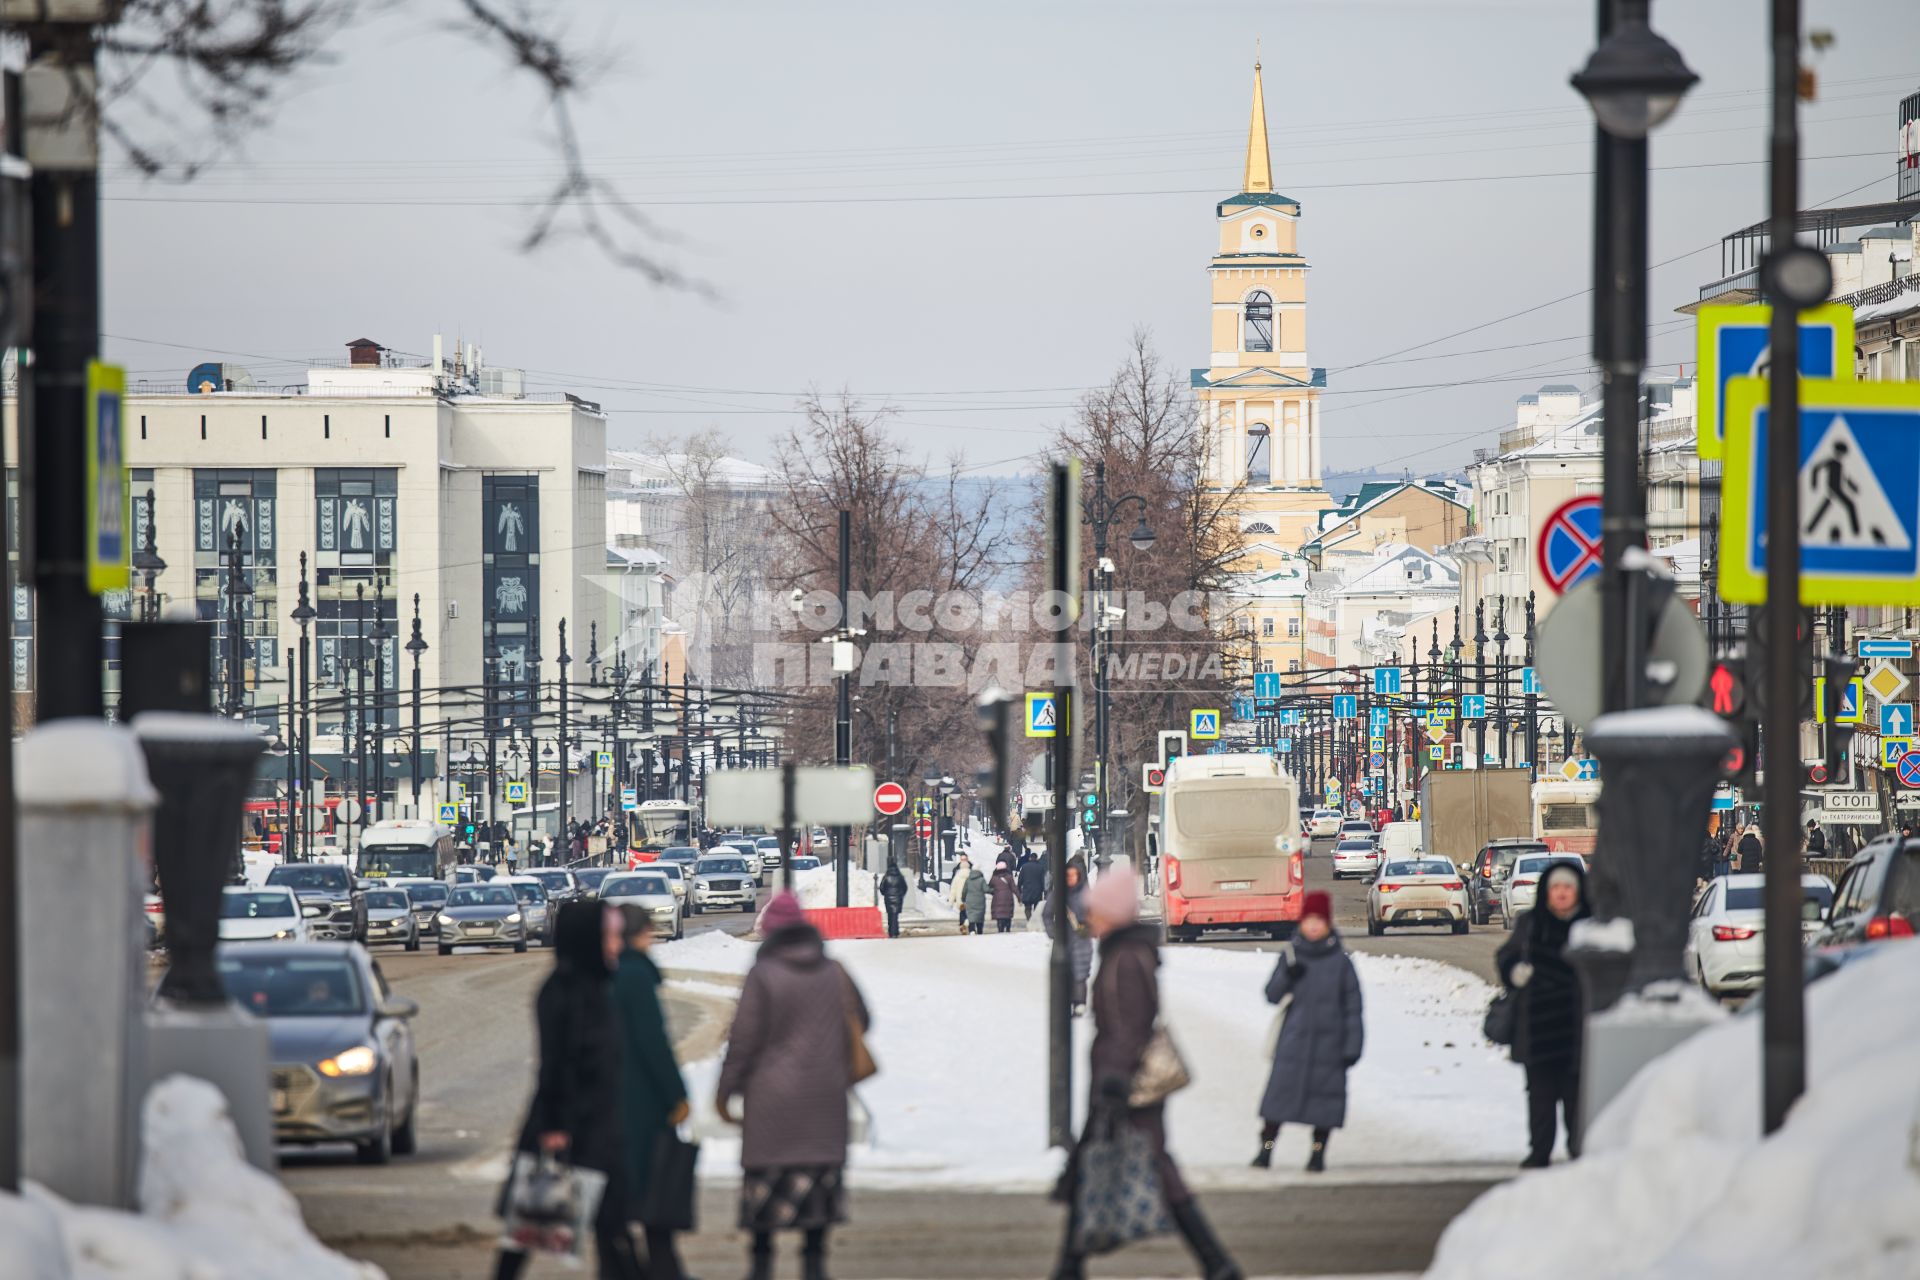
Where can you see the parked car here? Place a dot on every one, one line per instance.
(344, 1067)
(1399, 841)
(722, 880)
(1877, 897)
(1417, 891)
(390, 918)
(562, 885)
(1487, 875)
(805, 862)
(426, 898)
(651, 890)
(329, 897)
(685, 854)
(535, 908)
(270, 914)
(481, 915)
(1725, 947)
(1355, 856)
(1528, 870)
(1326, 822)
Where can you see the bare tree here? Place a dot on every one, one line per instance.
(228, 60)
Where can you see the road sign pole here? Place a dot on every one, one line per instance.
(1783, 1014)
(1063, 554)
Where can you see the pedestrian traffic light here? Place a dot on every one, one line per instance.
(1727, 688)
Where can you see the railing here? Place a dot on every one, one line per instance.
(1748, 281)
(1886, 291)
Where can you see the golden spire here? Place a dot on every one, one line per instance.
(1259, 166)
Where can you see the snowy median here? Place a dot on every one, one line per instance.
(960, 1034)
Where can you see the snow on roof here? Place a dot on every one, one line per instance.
(662, 468)
(1395, 568)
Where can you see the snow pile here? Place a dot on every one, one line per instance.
(965, 1019)
(206, 1213)
(710, 951)
(1670, 1000)
(816, 888)
(1677, 1183)
(1601, 935)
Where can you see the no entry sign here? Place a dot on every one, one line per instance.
(889, 798)
(923, 827)
(1568, 548)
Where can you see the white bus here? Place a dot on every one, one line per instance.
(662, 824)
(1227, 844)
(1566, 816)
(405, 849)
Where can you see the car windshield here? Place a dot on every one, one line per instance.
(806, 864)
(1424, 867)
(397, 860)
(427, 895)
(310, 877)
(527, 892)
(721, 867)
(1358, 846)
(767, 842)
(591, 877)
(386, 899)
(671, 870)
(481, 895)
(271, 986)
(635, 887)
(237, 905)
(554, 880)
(680, 853)
(1753, 898)
(1326, 813)
(1532, 865)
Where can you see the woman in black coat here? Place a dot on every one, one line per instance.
(1320, 1039)
(576, 1110)
(1548, 1029)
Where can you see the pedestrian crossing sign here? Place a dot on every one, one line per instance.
(603, 759)
(1044, 715)
(1853, 701)
(1436, 753)
(516, 793)
(1891, 749)
(1205, 724)
(1859, 493)
(449, 813)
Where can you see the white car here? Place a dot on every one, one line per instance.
(269, 914)
(1326, 822)
(1417, 891)
(1358, 829)
(649, 889)
(676, 874)
(1725, 950)
(1523, 882)
(720, 881)
(1355, 856)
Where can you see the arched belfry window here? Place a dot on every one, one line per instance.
(1259, 454)
(1259, 321)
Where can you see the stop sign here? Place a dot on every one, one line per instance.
(923, 827)
(889, 798)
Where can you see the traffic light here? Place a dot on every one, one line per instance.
(1839, 670)
(1726, 694)
(1090, 808)
(993, 716)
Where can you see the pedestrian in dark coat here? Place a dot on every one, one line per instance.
(1126, 1008)
(1005, 894)
(1321, 1035)
(1032, 877)
(1750, 852)
(789, 1055)
(653, 1094)
(975, 896)
(893, 894)
(1548, 1031)
(576, 1109)
(1816, 841)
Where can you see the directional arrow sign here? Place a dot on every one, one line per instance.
(1882, 648)
(1266, 684)
(1386, 680)
(1896, 719)
(1473, 706)
(1345, 706)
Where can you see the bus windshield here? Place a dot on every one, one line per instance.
(378, 861)
(1233, 816)
(662, 827)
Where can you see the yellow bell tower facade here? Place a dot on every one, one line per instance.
(1259, 399)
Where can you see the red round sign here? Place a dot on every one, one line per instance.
(1568, 548)
(889, 798)
(923, 827)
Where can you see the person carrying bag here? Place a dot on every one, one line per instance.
(660, 1164)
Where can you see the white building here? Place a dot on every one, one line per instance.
(1363, 613)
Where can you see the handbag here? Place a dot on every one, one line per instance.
(670, 1199)
(1280, 1011)
(1117, 1197)
(1162, 1071)
(1502, 1022)
(860, 1063)
(550, 1205)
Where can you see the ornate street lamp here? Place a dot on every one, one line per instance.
(416, 646)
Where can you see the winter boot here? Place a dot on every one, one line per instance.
(1264, 1160)
(761, 1259)
(813, 1260)
(1206, 1247)
(1317, 1161)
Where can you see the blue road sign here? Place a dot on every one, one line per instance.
(449, 813)
(1733, 344)
(1896, 719)
(1886, 648)
(1345, 706)
(1290, 715)
(1589, 770)
(1204, 724)
(629, 798)
(1043, 715)
(516, 793)
(1242, 707)
(1853, 698)
(1378, 718)
(1723, 801)
(1285, 744)
(1376, 761)
(1569, 550)
(1891, 749)
(1473, 706)
(1386, 680)
(1266, 684)
(107, 491)
(1529, 680)
(1909, 769)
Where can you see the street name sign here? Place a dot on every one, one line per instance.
(1850, 808)
(1859, 485)
(1884, 648)
(1568, 547)
(1204, 724)
(1734, 343)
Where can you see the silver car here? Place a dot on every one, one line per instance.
(481, 915)
(344, 1068)
(427, 897)
(721, 882)
(535, 906)
(1523, 883)
(649, 889)
(390, 918)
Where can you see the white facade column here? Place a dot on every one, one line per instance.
(1313, 441)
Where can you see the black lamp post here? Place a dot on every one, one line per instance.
(1533, 702)
(416, 646)
(1100, 515)
(380, 637)
(1480, 676)
(303, 615)
(1500, 638)
(237, 587)
(147, 562)
(566, 757)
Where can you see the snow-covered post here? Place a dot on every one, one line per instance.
(85, 805)
(202, 765)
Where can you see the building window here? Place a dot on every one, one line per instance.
(229, 504)
(1258, 526)
(1913, 360)
(1293, 628)
(1266, 665)
(1259, 327)
(1259, 454)
(1266, 627)
(1293, 666)
(1500, 553)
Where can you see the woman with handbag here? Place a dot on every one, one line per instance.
(575, 1112)
(1546, 1007)
(1320, 1039)
(655, 1101)
(1126, 1013)
(797, 1045)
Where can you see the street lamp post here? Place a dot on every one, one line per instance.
(147, 562)
(1099, 515)
(1500, 638)
(566, 750)
(417, 645)
(1533, 702)
(380, 638)
(1480, 677)
(236, 639)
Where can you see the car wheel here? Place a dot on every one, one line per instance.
(1375, 928)
(747, 907)
(406, 1139)
(1459, 926)
(379, 1148)
(444, 949)
(413, 941)
(520, 947)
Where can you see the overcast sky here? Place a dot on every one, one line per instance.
(964, 209)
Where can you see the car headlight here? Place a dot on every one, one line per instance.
(514, 918)
(283, 935)
(357, 1061)
(444, 919)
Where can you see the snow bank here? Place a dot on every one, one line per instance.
(206, 1214)
(710, 951)
(816, 888)
(960, 1034)
(1677, 1183)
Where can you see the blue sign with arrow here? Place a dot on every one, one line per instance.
(1290, 715)
(1386, 680)
(1345, 706)
(1266, 684)
(1473, 706)
(1896, 719)
(1284, 744)
(1529, 680)
(1882, 648)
